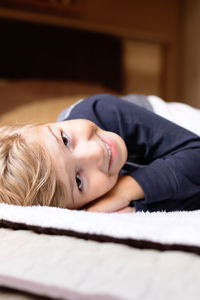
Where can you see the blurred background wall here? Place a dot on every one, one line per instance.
(190, 53)
(124, 46)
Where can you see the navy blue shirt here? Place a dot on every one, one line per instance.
(163, 157)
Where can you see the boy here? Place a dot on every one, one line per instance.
(163, 159)
(158, 162)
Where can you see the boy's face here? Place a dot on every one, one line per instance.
(86, 158)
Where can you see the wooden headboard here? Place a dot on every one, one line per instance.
(126, 46)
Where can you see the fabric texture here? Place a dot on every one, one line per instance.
(140, 100)
(84, 255)
(159, 230)
(63, 267)
(182, 114)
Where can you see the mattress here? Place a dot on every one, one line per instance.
(63, 254)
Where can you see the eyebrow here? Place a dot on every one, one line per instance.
(59, 142)
(57, 139)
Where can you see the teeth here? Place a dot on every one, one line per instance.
(109, 151)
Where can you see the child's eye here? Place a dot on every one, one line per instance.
(65, 139)
(79, 182)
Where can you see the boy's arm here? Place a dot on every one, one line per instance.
(119, 197)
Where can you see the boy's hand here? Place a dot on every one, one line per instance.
(119, 197)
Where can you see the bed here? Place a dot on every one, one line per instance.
(62, 254)
(52, 253)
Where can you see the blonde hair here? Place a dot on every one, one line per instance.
(26, 174)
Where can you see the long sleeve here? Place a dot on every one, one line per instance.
(162, 157)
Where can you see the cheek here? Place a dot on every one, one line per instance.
(98, 188)
(103, 185)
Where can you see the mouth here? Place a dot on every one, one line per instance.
(108, 149)
(109, 154)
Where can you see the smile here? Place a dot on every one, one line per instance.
(109, 154)
(107, 148)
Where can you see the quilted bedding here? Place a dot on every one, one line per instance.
(82, 255)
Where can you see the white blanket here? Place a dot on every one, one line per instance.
(160, 230)
(63, 267)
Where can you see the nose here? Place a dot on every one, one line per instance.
(87, 130)
(89, 153)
